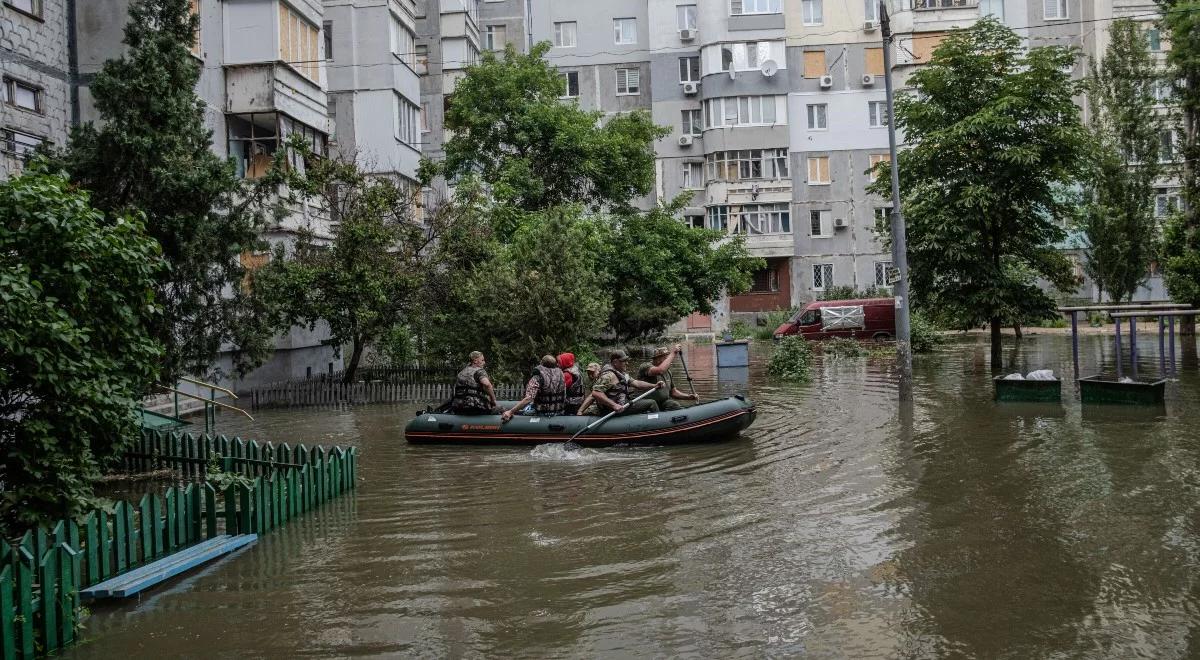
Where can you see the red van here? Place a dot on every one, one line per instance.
(873, 318)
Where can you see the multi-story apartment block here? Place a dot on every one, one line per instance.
(35, 80)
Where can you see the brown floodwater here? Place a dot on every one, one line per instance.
(840, 525)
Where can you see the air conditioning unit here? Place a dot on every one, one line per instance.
(687, 35)
(870, 26)
(686, 140)
(868, 80)
(691, 88)
(826, 81)
(840, 223)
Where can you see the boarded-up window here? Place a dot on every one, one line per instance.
(925, 44)
(814, 63)
(818, 170)
(196, 37)
(873, 61)
(252, 261)
(298, 42)
(876, 159)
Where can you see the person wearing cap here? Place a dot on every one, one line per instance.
(593, 373)
(546, 390)
(658, 370)
(611, 389)
(574, 382)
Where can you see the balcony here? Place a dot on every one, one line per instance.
(929, 5)
(276, 87)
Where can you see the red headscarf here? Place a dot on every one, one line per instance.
(566, 361)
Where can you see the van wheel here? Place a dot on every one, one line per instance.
(881, 336)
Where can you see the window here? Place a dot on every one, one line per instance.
(765, 281)
(571, 84)
(694, 221)
(877, 115)
(566, 34)
(327, 36)
(820, 224)
(751, 219)
(814, 63)
(883, 218)
(881, 273)
(22, 95)
(298, 43)
(31, 7)
(685, 17)
(818, 117)
(625, 30)
(1154, 39)
(876, 159)
(873, 61)
(1163, 90)
(738, 7)
(693, 174)
(943, 4)
(747, 164)
(726, 58)
(404, 42)
(629, 82)
(253, 139)
(818, 170)
(1165, 203)
(872, 10)
(1055, 9)
(692, 122)
(740, 111)
(718, 218)
(811, 12)
(1166, 147)
(822, 276)
(689, 69)
(422, 56)
(494, 37)
(923, 45)
(195, 6)
(408, 121)
(425, 117)
(992, 8)
(18, 143)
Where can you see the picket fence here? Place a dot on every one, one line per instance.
(42, 573)
(333, 393)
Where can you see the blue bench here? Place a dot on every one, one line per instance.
(144, 577)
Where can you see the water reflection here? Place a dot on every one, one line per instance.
(841, 525)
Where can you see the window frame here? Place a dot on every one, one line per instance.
(877, 115)
(818, 160)
(489, 36)
(693, 175)
(824, 221)
(305, 63)
(738, 7)
(684, 19)
(872, 161)
(690, 59)
(810, 18)
(688, 124)
(38, 11)
(619, 32)
(566, 76)
(10, 98)
(560, 32)
(881, 274)
(1061, 7)
(817, 111)
(826, 276)
(723, 103)
(636, 90)
(8, 142)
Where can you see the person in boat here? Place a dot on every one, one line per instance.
(574, 382)
(546, 390)
(658, 370)
(611, 389)
(593, 372)
(473, 391)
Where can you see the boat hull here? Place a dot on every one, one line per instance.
(707, 422)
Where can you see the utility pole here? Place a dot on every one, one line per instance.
(899, 242)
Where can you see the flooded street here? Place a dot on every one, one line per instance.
(837, 526)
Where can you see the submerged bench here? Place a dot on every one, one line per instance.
(144, 577)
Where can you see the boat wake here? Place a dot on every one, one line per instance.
(560, 453)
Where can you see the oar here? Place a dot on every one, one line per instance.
(689, 376)
(605, 418)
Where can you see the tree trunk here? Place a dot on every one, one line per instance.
(355, 356)
(1017, 330)
(997, 358)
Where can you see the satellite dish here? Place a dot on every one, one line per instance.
(770, 68)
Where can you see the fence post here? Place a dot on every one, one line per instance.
(148, 514)
(48, 578)
(8, 626)
(210, 511)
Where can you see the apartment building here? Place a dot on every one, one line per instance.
(35, 80)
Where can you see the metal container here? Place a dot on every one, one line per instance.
(1027, 390)
(1104, 389)
(733, 353)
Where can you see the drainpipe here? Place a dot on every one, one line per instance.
(73, 63)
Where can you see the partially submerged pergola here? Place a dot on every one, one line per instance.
(1166, 313)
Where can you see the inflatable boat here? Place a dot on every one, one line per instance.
(705, 422)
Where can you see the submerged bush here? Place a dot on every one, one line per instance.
(843, 347)
(792, 359)
(924, 335)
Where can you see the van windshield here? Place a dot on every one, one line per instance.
(810, 317)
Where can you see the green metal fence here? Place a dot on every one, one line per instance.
(41, 574)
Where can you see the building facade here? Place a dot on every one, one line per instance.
(35, 85)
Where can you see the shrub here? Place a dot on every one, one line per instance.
(770, 322)
(845, 292)
(1056, 322)
(740, 329)
(924, 335)
(792, 360)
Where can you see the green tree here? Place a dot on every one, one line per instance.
(76, 347)
(535, 151)
(1181, 237)
(544, 291)
(994, 138)
(368, 281)
(151, 153)
(1118, 214)
(661, 270)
